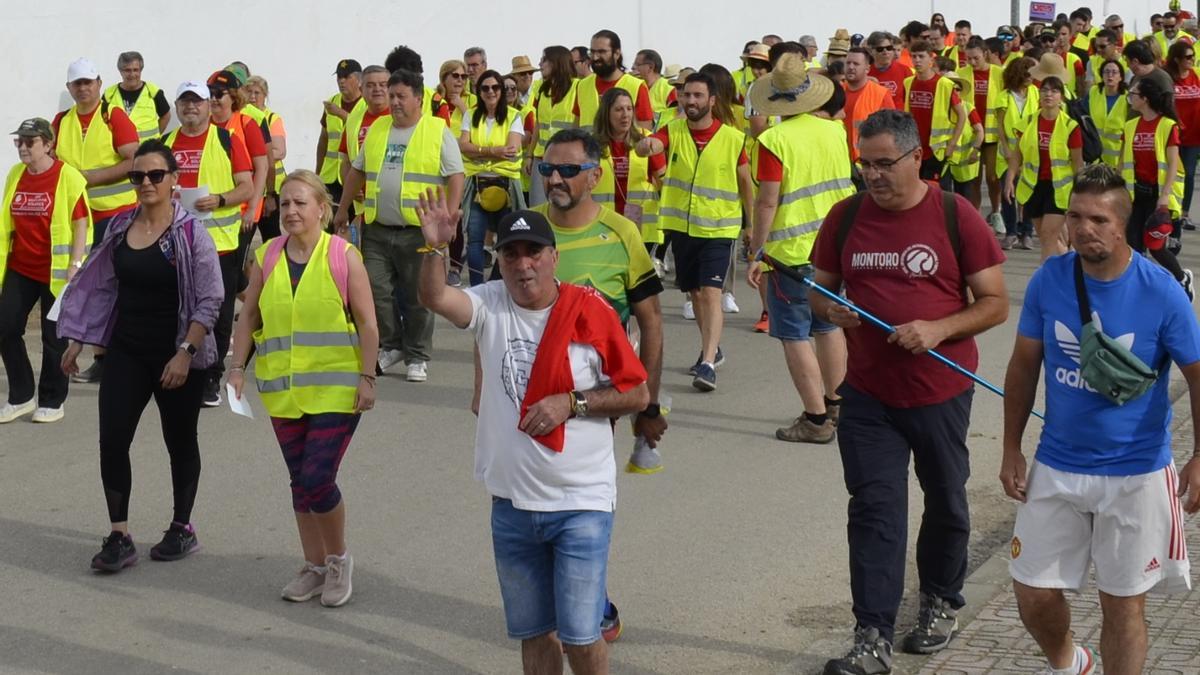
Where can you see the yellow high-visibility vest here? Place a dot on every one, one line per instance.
(991, 122)
(589, 97)
(640, 192)
(216, 173)
(144, 113)
(307, 353)
(94, 151)
(941, 128)
(331, 166)
(1014, 121)
(422, 165)
(71, 187)
(1062, 171)
(658, 98)
(700, 191)
(552, 117)
(1161, 134)
(496, 138)
(1110, 123)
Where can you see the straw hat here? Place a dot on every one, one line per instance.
(671, 71)
(1051, 65)
(521, 64)
(965, 85)
(790, 89)
(839, 44)
(681, 75)
(759, 52)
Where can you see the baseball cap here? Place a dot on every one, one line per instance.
(223, 79)
(82, 69)
(35, 126)
(528, 226)
(1006, 32)
(196, 87)
(347, 67)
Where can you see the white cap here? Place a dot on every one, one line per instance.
(195, 86)
(82, 69)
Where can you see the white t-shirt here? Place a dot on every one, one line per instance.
(391, 174)
(583, 477)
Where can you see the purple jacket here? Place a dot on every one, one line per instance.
(88, 311)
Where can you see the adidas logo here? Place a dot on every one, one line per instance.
(1069, 344)
(519, 224)
(1152, 566)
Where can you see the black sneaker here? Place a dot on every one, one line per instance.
(870, 655)
(212, 394)
(117, 553)
(937, 622)
(91, 374)
(177, 543)
(720, 359)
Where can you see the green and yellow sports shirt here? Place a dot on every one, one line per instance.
(609, 256)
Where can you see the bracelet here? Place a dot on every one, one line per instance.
(368, 378)
(238, 369)
(438, 249)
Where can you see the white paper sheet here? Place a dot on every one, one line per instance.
(240, 406)
(189, 196)
(52, 315)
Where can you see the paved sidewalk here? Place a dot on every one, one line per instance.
(996, 642)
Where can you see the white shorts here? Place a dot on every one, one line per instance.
(1131, 527)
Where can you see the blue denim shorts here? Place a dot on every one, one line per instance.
(553, 569)
(788, 312)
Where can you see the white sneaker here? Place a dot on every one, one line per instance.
(10, 412)
(688, 312)
(728, 304)
(43, 415)
(389, 358)
(997, 222)
(417, 372)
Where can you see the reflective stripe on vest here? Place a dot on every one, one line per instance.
(640, 191)
(70, 189)
(551, 117)
(995, 90)
(422, 165)
(93, 151)
(941, 128)
(589, 97)
(1110, 123)
(700, 192)
(331, 167)
(143, 114)
(308, 359)
(1062, 172)
(1162, 134)
(1012, 121)
(496, 138)
(216, 173)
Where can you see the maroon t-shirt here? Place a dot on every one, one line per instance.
(900, 266)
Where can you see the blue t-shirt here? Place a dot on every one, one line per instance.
(1146, 310)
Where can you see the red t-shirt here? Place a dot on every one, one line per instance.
(123, 133)
(1187, 105)
(893, 78)
(770, 168)
(900, 267)
(1045, 131)
(982, 79)
(31, 209)
(920, 103)
(368, 119)
(252, 135)
(700, 137)
(620, 159)
(1145, 160)
(642, 110)
(189, 149)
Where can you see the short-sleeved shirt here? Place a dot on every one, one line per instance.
(608, 255)
(1045, 132)
(123, 133)
(31, 208)
(642, 110)
(920, 102)
(700, 137)
(892, 255)
(368, 119)
(620, 159)
(130, 98)
(1145, 158)
(1144, 309)
(893, 78)
(391, 174)
(982, 79)
(252, 135)
(190, 149)
(1187, 105)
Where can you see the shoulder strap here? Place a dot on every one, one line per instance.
(339, 268)
(226, 140)
(274, 250)
(849, 213)
(1085, 308)
(950, 211)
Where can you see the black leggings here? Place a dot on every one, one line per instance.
(126, 386)
(1145, 202)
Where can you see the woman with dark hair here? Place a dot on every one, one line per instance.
(1017, 105)
(150, 293)
(1151, 166)
(553, 109)
(628, 183)
(491, 148)
(1181, 66)
(727, 110)
(1109, 109)
(937, 22)
(1047, 157)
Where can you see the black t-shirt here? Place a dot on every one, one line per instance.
(295, 271)
(129, 98)
(147, 298)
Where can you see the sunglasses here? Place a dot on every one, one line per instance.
(215, 94)
(565, 170)
(156, 176)
(458, 76)
(885, 48)
(24, 142)
(488, 88)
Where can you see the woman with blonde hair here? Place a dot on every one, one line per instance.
(257, 91)
(453, 102)
(310, 316)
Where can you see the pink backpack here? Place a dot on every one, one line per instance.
(338, 249)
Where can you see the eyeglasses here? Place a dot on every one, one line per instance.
(156, 176)
(486, 88)
(457, 76)
(883, 165)
(884, 48)
(1189, 56)
(565, 170)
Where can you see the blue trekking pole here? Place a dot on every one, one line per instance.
(882, 325)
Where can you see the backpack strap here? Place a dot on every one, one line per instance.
(339, 268)
(849, 213)
(226, 139)
(950, 211)
(274, 250)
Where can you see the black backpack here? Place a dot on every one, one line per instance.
(1079, 111)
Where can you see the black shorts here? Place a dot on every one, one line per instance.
(1041, 202)
(701, 262)
(931, 168)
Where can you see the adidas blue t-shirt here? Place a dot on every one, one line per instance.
(1146, 310)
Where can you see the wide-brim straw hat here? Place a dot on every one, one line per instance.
(790, 89)
(522, 64)
(967, 86)
(1051, 65)
(759, 52)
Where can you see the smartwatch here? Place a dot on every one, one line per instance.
(221, 200)
(652, 411)
(189, 348)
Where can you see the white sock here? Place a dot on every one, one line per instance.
(1076, 664)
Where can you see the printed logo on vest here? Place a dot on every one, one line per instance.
(31, 204)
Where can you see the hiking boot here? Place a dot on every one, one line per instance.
(308, 584)
(870, 655)
(718, 360)
(644, 459)
(90, 374)
(804, 431)
(178, 542)
(117, 553)
(47, 415)
(10, 412)
(212, 394)
(763, 324)
(706, 378)
(937, 622)
(1008, 242)
(337, 580)
(610, 626)
(1085, 662)
(1188, 285)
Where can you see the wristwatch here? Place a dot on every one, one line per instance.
(579, 404)
(221, 200)
(652, 411)
(189, 348)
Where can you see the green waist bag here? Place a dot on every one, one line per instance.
(1105, 364)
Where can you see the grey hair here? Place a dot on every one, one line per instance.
(474, 51)
(878, 36)
(126, 58)
(899, 124)
(374, 69)
(807, 39)
(1112, 17)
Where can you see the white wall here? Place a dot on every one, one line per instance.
(296, 44)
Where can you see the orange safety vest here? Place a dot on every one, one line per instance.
(235, 125)
(870, 100)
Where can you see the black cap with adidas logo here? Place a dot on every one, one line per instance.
(528, 226)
